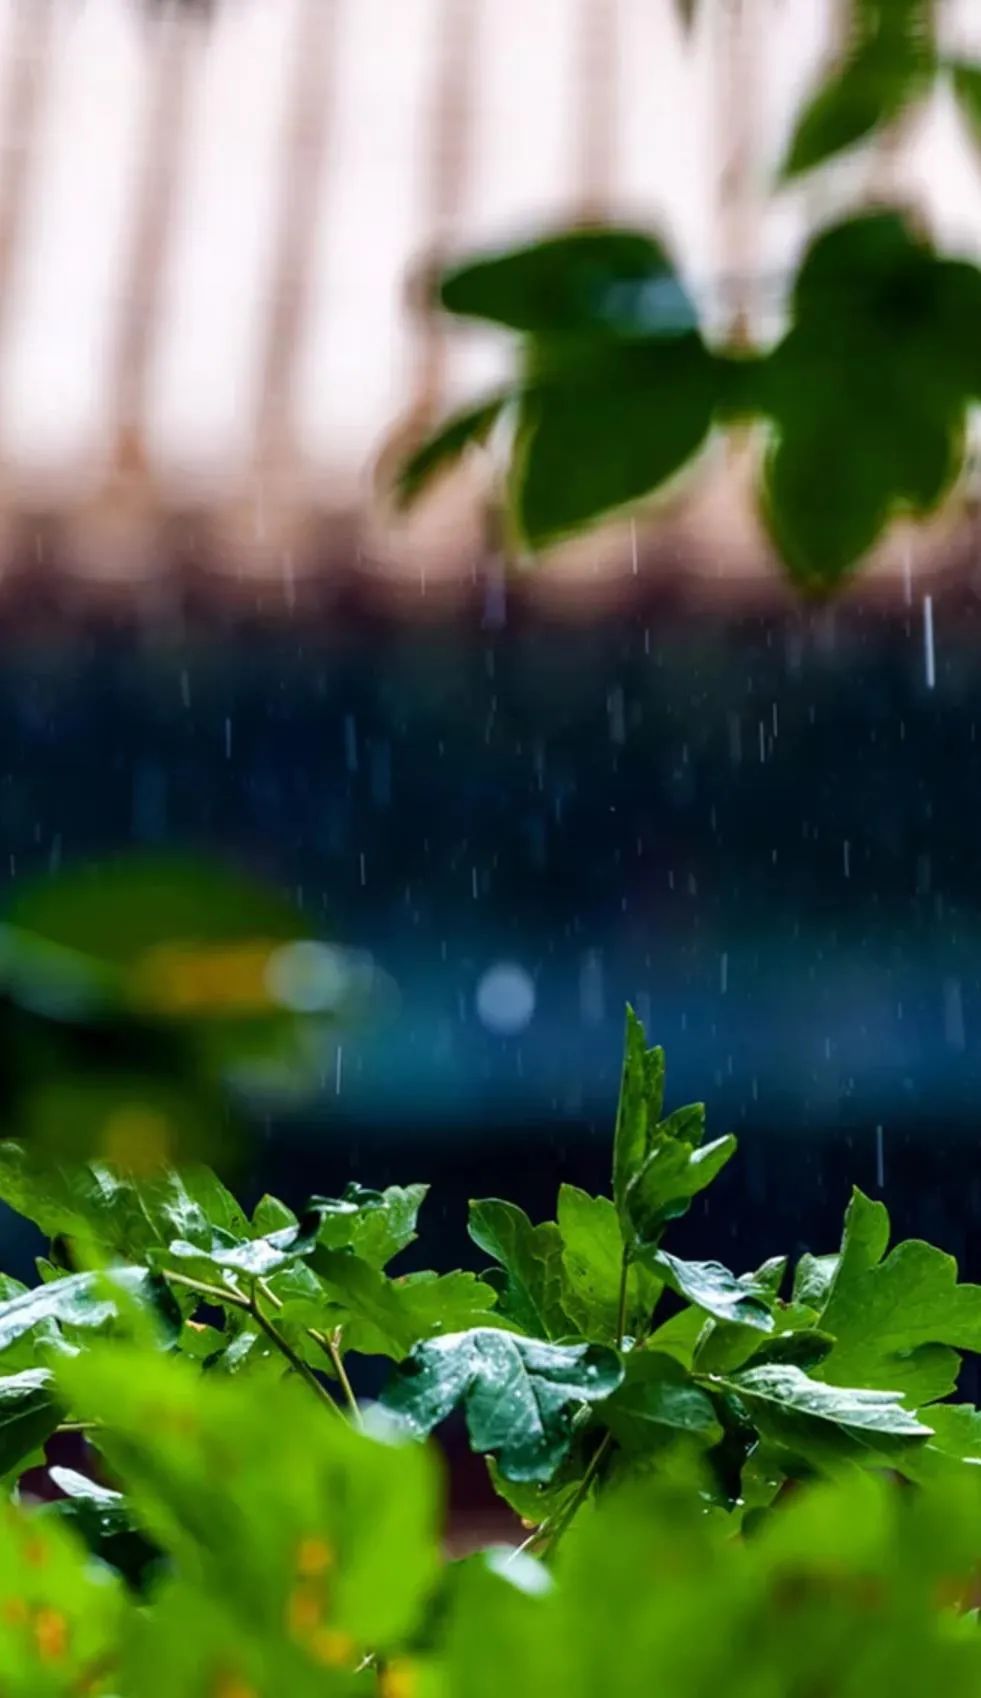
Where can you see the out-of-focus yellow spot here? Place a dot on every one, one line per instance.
(313, 1556)
(50, 1635)
(304, 1611)
(233, 1686)
(35, 1552)
(333, 1648)
(398, 1680)
(202, 979)
(138, 1140)
(15, 1612)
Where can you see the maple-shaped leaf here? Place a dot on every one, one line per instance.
(898, 1320)
(519, 1395)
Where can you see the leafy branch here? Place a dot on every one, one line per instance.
(859, 412)
(590, 1352)
(588, 1358)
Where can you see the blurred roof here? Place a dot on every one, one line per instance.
(210, 218)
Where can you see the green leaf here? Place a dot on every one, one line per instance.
(387, 1317)
(658, 1166)
(868, 92)
(331, 1528)
(821, 1421)
(269, 1215)
(600, 283)
(865, 1239)
(499, 1630)
(657, 1400)
(867, 392)
(87, 1302)
(673, 1174)
(714, 1289)
(638, 1111)
(376, 1225)
(680, 1336)
(535, 1500)
(447, 445)
(118, 1212)
(103, 1520)
(724, 1346)
(255, 1257)
(532, 1257)
(607, 432)
(803, 1349)
(592, 1256)
(828, 497)
(519, 1395)
(813, 1279)
(29, 1414)
(118, 910)
(62, 1619)
(897, 1322)
(954, 1444)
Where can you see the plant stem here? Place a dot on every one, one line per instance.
(622, 1299)
(224, 1294)
(330, 1343)
(292, 1356)
(215, 1294)
(553, 1534)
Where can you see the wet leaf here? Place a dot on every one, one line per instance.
(254, 1257)
(673, 1174)
(657, 1400)
(532, 1257)
(118, 1212)
(29, 1413)
(897, 1322)
(518, 1394)
(87, 1302)
(387, 1317)
(822, 1421)
(638, 1110)
(714, 1289)
(592, 1256)
(376, 1225)
(103, 1520)
(813, 1278)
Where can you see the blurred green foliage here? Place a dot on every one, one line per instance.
(860, 407)
(140, 998)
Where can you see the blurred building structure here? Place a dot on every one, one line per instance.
(213, 221)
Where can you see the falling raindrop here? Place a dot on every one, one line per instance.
(928, 653)
(954, 1015)
(592, 997)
